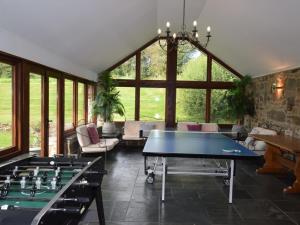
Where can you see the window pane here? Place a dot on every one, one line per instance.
(152, 104)
(53, 97)
(68, 104)
(35, 110)
(80, 109)
(127, 96)
(90, 101)
(153, 62)
(6, 106)
(125, 71)
(219, 73)
(191, 63)
(190, 105)
(219, 108)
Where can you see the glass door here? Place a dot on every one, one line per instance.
(35, 112)
(52, 115)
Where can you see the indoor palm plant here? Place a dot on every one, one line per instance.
(239, 101)
(107, 102)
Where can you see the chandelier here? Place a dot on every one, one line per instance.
(183, 36)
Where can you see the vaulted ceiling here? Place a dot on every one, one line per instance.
(85, 37)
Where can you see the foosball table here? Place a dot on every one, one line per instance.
(50, 190)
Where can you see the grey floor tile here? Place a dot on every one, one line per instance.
(192, 200)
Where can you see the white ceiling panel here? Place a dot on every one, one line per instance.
(254, 37)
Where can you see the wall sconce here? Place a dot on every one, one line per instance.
(278, 88)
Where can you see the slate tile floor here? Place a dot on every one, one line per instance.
(192, 200)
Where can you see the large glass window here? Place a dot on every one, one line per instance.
(190, 105)
(126, 70)
(35, 110)
(220, 73)
(80, 108)
(69, 108)
(127, 97)
(191, 63)
(6, 106)
(191, 96)
(153, 63)
(90, 102)
(152, 104)
(219, 108)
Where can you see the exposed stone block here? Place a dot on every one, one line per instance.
(283, 112)
(291, 84)
(276, 115)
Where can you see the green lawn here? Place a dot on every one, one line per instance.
(35, 108)
(5, 112)
(190, 106)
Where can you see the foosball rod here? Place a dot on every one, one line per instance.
(31, 182)
(50, 167)
(58, 163)
(30, 188)
(17, 198)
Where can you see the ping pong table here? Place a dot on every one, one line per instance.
(180, 144)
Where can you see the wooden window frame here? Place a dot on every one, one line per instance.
(16, 67)
(21, 68)
(171, 83)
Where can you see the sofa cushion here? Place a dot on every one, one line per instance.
(93, 135)
(132, 128)
(83, 136)
(103, 146)
(194, 127)
(249, 141)
(131, 138)
(182, 126)
(209, 127)
(259, 146)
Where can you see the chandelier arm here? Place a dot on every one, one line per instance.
(182, 37)
(208, 39)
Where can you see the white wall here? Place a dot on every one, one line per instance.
(18, 46)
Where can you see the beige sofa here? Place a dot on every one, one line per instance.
(105, 144)
(138, 130)
(205, 127)
(257, 146)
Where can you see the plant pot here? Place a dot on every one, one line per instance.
(108, 128)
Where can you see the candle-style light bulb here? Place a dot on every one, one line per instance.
(208, 29)
(196, 35)
(195, 23)
(159, 31)
(168, 24)
(174, 35)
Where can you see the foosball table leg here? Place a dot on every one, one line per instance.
(99, 204)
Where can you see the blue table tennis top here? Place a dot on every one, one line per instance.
(194, 145)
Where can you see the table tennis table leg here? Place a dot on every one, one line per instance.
(163, 179)
(231, 180)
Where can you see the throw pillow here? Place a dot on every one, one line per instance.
(93, 135)
(193, 127)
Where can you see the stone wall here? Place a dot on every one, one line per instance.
(277, 102)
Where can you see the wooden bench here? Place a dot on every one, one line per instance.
(282, 154)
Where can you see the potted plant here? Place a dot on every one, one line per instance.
(239, 101)
(107, 102)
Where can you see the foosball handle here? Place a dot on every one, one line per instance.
(66, 210)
